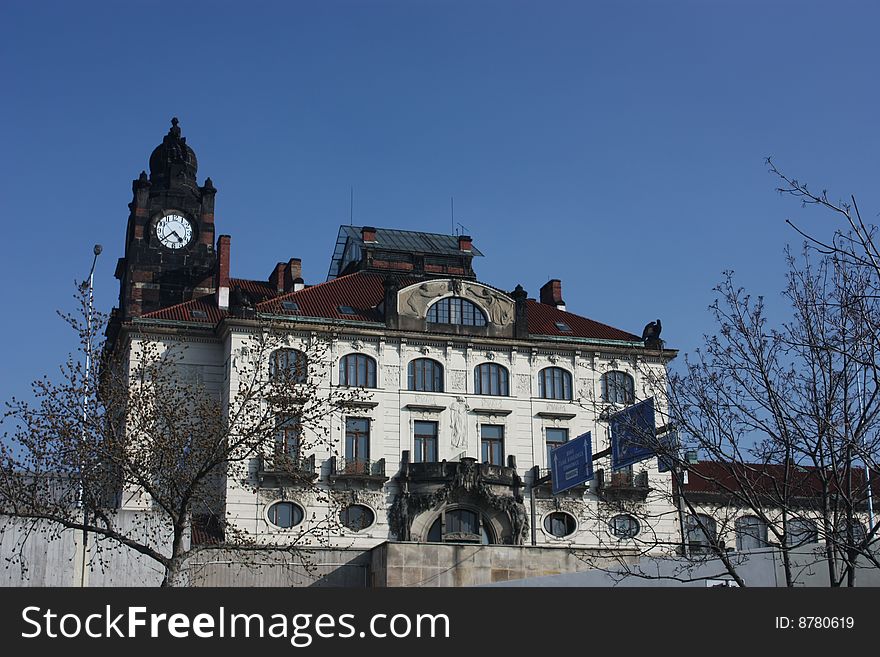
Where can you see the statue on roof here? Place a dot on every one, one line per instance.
(651, 335)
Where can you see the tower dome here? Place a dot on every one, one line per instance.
(173, 163)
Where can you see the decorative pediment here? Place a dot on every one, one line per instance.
(414, 301)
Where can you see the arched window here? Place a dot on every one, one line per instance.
(624, 526)
(460, 526)
(559, 524)
(618, 387)
(491, 379)
(554, 383)
(801, 531)
(285, 514)
(751, 533)
(455, 310)
(357, 370)
(290, 364)
(425, 375)
(701, 534)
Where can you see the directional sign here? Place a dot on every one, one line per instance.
(633, 434)
(572, 463)
(668, 449)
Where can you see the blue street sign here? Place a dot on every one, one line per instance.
(668, 451)
(632, 434)
(572, 463)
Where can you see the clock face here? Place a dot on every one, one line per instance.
(173, 231)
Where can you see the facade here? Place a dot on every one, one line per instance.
(463, 388)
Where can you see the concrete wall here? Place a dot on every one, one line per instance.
(435, 564)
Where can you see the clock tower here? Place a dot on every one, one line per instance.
(169, 244)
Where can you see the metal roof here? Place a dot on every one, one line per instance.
(397, 240)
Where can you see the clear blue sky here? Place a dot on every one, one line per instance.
(617, 146)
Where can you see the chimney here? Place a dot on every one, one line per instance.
(298, 284)
(292, 274)
(223, 244)
(551, 294)
(464, 243)
(368, 234)
(277, 277)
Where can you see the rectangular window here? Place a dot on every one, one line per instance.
(287, 431)
(425, 438)
(555, 437)
(492, 442)
(357, 440)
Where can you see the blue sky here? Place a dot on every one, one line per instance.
(618, 146)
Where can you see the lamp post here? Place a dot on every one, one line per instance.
(85, 404)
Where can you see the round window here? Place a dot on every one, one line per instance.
(624, 526)
(357, 517)
(285, 514)
(560, 524)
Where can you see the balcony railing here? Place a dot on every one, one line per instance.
(282, 466)
(622, 485)
(363, 469)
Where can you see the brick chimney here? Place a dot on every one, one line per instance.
(551, 294)
(223, 248)
(368, 234)
(277, 277)
(465, 243)
(292, 274)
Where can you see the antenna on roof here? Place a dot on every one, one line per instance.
(351, 205)
(452, 212)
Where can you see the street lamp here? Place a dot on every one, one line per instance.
(85, 403)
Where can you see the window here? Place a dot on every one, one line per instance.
(357, 370)
(618, 388)
(491, 379)
(425, 375)
(357, 441)
(559, 524)
(291, 306)
(285, 514)
(555, 437)
(289, 364)
(563, 327)
(460, 526)
(425, 439)
(346, 310)
(801, 532)
(844, 541)
(624, 526)
(287, 436)
(554, 383)
(701, 534)
(751, 533)
(492, 441)
(357, 517)
(455, 310)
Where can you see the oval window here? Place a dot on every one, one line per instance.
(357, 517)
(624, 526)
(285, 514)
(560, 524)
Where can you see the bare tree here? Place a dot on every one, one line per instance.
(138, 428)
(783, 416)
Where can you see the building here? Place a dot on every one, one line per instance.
(464, 387)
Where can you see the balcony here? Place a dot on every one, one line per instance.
(363, 471)
(467, 468)
(279, 469)
(622, 485)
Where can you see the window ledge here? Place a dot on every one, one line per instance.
(358, 404)
(491, 411)
(425, 408)
(556, 416)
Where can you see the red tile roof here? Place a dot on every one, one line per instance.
(182, 312)
(542, 321)
(361, 291)
(713, 478)
(364, 292)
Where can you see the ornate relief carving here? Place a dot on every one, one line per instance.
(457, 381)
(392, 375)
(523, 384)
